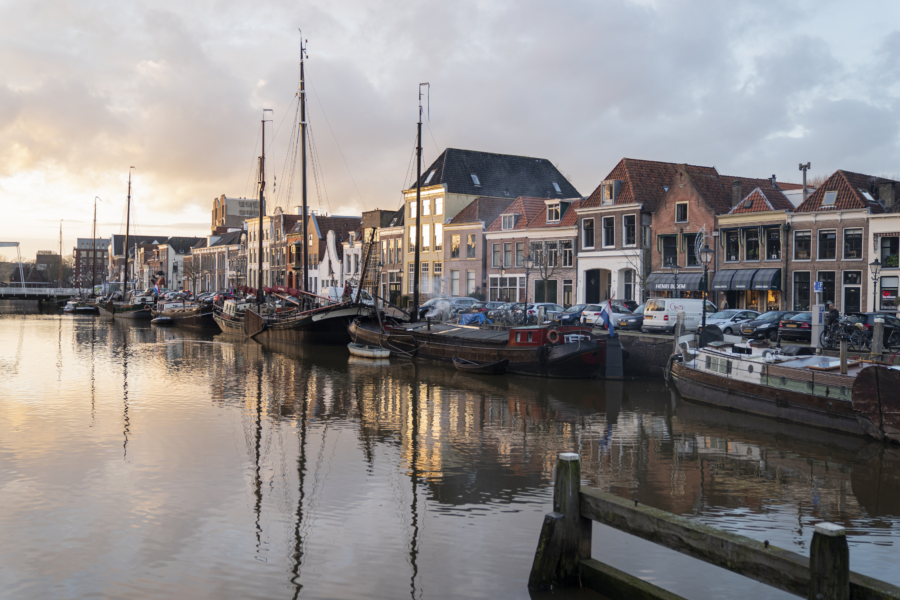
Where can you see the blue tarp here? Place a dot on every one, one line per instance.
(470, 318)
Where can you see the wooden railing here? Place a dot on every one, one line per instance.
(563, 556)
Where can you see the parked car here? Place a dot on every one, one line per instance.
(619, 310)
(457, 305)
(729, 320)
(631, 304)
(483, 307)
(572, 315)
(633, 321)
(660, 314)
(796, 327)
(766, 325)
(550, 309)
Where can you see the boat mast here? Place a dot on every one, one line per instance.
(305, 256)
(93, 245)
(414, 316)
(60, 258)
(262, 208)
(127, 228)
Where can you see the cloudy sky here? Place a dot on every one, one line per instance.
(177, 89)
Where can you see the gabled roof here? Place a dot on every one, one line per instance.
(181, 244)
(532, 213)
(200, 244)
(398, 219)
(849, 187)
(320, 226)
(760, 201)
(228, 239)
(118, 241)
(499, 175)
(485, 210)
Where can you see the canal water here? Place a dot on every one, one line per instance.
(139, 462)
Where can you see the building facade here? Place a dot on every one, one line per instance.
(465, 254)
(231, 213)
(91, 258)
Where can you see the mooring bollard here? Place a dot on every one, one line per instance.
(829, 564)
(565, 536)
(878, 339)
(843, 354)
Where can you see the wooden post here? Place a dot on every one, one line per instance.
(565, 536)
(679, 328)
(843, 356)
(878, 339)
(829, 564)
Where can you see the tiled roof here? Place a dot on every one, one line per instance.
(532, 213)
(759, 201)
(849, 187)
(485, 210)
(499, 175)
(200, 244)
(119, 241)
(320, 226)
(784, 186)
(181, 244)
(398, 218)
(228, 239)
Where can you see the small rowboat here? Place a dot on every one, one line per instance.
(162, 321)
(364, 351)
(482, 368)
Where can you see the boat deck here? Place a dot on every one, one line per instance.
(489, 336)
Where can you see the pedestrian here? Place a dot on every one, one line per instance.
(833, 314)
(724, 304)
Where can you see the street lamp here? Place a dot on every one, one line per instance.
(875, 267)
(706, 255)
(675, 269)
(529, 264)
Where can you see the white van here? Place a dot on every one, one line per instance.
(660, 314)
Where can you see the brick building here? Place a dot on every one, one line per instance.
(232, 212)
(465, 255)
(317, 228)
(91, 257)
(391, 239)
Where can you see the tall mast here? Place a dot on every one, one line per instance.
(418, 236)
(60, 257)
(93, 245)
(305, 283)
(127, 229)
(262, 209)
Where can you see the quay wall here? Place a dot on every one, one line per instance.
(647, 353)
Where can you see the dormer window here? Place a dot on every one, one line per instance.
(430, 175)
(509, 222)
(866, 195)
(830, 198)
(556, 187)
(608, 193)
(552, 212)
(475, 180)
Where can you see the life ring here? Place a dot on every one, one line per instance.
(553, 336)
(148, 308)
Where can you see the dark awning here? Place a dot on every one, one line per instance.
(767, 279)
(743, 278)
(722, 280)
(665, 282)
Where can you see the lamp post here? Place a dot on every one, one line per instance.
(875, 267)
(529, 264)
(502, 275)
(675, 272)
(706, 255)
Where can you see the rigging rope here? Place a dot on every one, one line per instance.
(324, 114)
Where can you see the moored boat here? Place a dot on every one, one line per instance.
(496, 367)
(137, 305)
(564, 352)
(363, 351)
(184, 314)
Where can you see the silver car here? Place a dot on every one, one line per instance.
(729, 320)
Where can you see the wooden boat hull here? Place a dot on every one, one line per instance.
(367, 351)
(125, 311)
(325, 328)
(785, 405)
(566, 361)
(201, 318)
(491, 368)
(876, 402)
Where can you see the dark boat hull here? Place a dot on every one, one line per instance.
(324, 328)
(491, 368)
(756, 399)
(565, 361)
(129, 311)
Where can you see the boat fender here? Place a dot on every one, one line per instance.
(553, 336)
(767, 353)
(147, 307)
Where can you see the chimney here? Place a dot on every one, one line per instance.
(886, 194)
(736, 192)
(774, 185)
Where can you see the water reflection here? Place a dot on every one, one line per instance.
(269, 470)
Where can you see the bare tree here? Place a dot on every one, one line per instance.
(546, 262)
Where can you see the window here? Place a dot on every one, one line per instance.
(801, 290)
(412, 238)
(426, 237)
(669, 250)
(681, 212)
(412, 209)
(412, 275)
(888, 293)
(437, 273)
(827, 244)
(565, 249)
(390, 256)
(629, 284)
(439, 205)
(545, 290)
(629, 228)
(552, 253)
(556, 187)
(587, 233)
(310, 239)
(773, 244)
(536, 253)
(504, 289)
(438, 237)
(691, 258)
(732, 246)
(609, 232)
(383, 251)
(507, 254)
(495, 255)
(552, 212)
(827, 279)
(475, 180)
(567, 293)
(509, 221)
(424, 286)
(890, 251)
(470, 283)
(426, 207)
(830, 198)
(454, 283)
(853, 244)
(430, 175)
(607, 197)
(454, 246)
(802, 245)
(852, 277)
(751, 244)
(470, 246)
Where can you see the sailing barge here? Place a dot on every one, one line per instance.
(799, 389)
(563, 352)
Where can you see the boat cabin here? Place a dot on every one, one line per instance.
(539, 335)
(234, 308)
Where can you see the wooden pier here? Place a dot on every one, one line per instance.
(563, 556)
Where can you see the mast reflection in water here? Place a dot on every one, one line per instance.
(267, 471)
